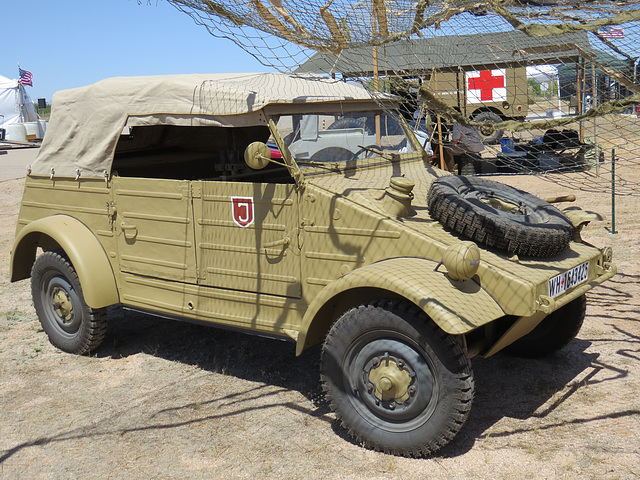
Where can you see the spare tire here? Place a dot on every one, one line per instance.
(499, 216)
(489, 133)
(349, 122)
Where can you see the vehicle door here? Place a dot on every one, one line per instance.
(154, 229)
(247, 236)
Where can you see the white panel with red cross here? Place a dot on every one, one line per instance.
(487, 85)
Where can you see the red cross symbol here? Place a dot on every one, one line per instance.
(486, 82)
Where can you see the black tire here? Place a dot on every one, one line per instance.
(469, 163)
(389, 125)
(349, 122)
(490, 135)
(552, 334)
(332, 154)
(431, 378)
(499, 216)
(69, 322)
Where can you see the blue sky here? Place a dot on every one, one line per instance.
(70, 43)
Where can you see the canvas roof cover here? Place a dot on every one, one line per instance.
(86, 122)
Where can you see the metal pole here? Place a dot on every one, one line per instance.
(376, 85)
(439, 120)
(376, 88)
(582, 81)
(613, 192)
(594, 104)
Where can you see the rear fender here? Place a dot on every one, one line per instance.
(81, 246)
(456, 307)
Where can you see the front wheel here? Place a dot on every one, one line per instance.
(553, 333)
(397, 382)
(68, 321)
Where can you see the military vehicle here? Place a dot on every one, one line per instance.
(487, 96)
(160, 194)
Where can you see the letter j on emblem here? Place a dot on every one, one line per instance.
(242, 209)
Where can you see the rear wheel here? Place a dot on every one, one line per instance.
(488, 131)
(69, 322)
(553, 333)
(397, 382)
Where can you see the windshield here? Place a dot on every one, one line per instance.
(347, 137)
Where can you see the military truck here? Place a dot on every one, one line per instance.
(161, 195)
(487, 96)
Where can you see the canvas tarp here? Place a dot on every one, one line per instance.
(15, 104)
(86, 122)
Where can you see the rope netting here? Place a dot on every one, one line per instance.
(550, 85)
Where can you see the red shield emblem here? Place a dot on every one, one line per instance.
(242, 209)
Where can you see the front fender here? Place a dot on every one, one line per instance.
(456, 307)
(81, 246)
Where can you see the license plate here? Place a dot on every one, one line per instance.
(563, 282)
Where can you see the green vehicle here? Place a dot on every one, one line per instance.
(168, 195)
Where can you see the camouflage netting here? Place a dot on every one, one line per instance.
(550, 84)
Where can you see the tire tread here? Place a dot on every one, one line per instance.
(457, 362)
(94, 329)
(446, 205)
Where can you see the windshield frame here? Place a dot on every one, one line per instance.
(299, 169)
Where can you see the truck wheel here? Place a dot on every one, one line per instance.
(69, 322)
(397, 382)
(499, 216)
(489, 133)
(332, 154)
(553, 333)
(348, 122)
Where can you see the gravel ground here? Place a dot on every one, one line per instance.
(170, 400)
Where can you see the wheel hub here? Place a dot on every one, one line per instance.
(486, 129)
(505, 206)
(390, 381)
(62, 304)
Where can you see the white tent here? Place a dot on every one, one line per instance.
(17, 113)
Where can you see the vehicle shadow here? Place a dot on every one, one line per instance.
(520, 388)
(532, 389)
(253, 358)
(506, 387)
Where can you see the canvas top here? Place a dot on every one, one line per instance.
(86, 122)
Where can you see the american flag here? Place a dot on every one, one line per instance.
(611, 32)
(25, 77)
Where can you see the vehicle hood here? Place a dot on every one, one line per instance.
(366, 187)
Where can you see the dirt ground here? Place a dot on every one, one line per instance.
(169, 400)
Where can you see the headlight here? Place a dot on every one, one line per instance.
(461, 260)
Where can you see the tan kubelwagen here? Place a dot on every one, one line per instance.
(299, 208)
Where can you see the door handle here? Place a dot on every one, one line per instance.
(284, 242)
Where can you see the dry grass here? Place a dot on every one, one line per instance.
(175, 401)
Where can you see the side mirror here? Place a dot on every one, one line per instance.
(257, 155)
